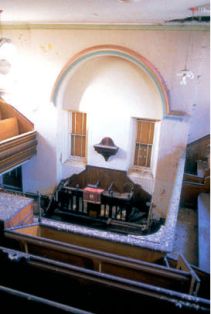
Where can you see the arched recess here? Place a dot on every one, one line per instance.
(80, 68)
(115, 51)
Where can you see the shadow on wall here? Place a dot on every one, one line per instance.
(121, 154)
(107, 80)
(80, 80)
(42, 168)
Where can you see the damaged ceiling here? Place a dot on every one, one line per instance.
(154, 12)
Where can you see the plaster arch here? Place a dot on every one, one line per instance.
(120, 52)
(124, 59)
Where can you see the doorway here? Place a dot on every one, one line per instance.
(13, 179)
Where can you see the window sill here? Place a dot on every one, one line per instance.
(142, 172)
(76, 162)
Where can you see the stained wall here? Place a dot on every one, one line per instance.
(43, 53)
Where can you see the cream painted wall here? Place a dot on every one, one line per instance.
(111, 91)
(43, 53)
(113, 84)
(173, 138)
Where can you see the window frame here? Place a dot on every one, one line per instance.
(154, 151)
(144, 143)
(72, 157)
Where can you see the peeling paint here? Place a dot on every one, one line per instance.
(46, 48)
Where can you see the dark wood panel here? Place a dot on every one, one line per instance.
(198, 150)
(105, 177)
(193, 178)
(190, 192)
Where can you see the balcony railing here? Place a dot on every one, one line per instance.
(17, 138)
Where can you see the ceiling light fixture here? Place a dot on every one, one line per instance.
(201, 9)
(185, 73)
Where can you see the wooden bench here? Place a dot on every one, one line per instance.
(88, 290)
(43, 241)
(203, 290)
(16, 300)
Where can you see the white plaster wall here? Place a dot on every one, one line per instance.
(111, 91)
(173, 139)
(42, 53)
(113, 83)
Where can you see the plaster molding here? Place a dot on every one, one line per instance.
(83, 26)
(177, 116)
(118, 51)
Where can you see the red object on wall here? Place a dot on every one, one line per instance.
(92, 195)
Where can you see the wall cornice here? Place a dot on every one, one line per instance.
(78, 26)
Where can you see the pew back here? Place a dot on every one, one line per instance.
(39, 242)
(88, 290)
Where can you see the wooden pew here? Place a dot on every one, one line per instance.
(15, 300)
(204, 277)
(59, 232)
(88, 290)
(204, 289)
(43, 241)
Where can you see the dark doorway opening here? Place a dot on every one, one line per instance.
(13, 179)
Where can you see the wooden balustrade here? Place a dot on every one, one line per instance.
(17, 138)
(71, 200)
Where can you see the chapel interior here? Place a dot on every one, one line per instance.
(105, 156)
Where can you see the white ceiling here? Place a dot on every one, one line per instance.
(99, 11)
